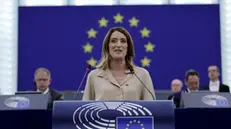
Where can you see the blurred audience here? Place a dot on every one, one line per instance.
(192, 81)
(176, 86)
(42, 81)
(214, 84)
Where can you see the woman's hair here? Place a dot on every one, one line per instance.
(105, 58)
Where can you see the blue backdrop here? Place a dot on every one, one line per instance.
(174, 38)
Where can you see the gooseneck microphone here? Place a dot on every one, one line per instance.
(81, 83)
(133, 72)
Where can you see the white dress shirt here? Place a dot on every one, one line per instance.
(188, 90)
(44, 92)
(214, 86)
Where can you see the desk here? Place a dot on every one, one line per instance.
(185, 119)
(203, 118)
(26, 119)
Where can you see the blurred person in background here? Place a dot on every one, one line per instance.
(176, 86)
(214, 84)
(42, 81)
(192, 81)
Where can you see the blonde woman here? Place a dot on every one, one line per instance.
(112, 79)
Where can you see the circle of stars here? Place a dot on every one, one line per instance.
(119, 19)
(135, 122)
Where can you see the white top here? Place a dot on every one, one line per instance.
(188, 90)
(214, 86)
(45, 92)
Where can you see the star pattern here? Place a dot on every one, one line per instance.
(133, 22)
(92, 33)
(135, 122)
(145, 62)
(149, 47)
(145, 32)
(92, 62)
(118, 18)
(88, 48)
(103, 22)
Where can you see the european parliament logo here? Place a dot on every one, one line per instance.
(17, 102)
(113, 115)
(141, 33)
(215, 100)
(135, 122)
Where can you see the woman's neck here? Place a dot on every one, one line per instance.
(117, 65)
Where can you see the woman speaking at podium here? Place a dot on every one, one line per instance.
(115, 76)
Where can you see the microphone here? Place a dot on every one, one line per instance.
(133, 72)
(81, 83)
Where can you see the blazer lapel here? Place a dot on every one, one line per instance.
(111, 78)
(128, 76)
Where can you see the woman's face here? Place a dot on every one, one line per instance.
(118, 45)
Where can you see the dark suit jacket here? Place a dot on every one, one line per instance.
(176, 98)
(55, 95)
(222, 88)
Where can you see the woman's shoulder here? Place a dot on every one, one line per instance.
(140, 70)
(96, 72)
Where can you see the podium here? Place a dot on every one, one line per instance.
(24, 102)
(157, 114)
(206, 99)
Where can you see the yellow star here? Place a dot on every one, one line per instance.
(133, 22)
(145, 62)
(149, 47)
(92, 62)
(92, 33)
(118, 18)
(103, 22)
(88, 48)
(145, 32)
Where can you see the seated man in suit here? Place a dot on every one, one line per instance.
(176, 86)
(215, 85)
(42, 80)
(192, 81)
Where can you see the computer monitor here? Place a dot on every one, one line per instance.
(27, 92)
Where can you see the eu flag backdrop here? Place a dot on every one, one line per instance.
(168, 39)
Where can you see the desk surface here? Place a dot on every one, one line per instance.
(203, 118)
(26, 119)
(184, 119)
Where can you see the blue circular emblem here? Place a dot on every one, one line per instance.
(215, 100)
(17, 102)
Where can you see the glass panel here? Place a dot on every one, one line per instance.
(42, 2)
(93, 2)
(8, 46)
(140, 2)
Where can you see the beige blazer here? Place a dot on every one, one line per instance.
(101, 85)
